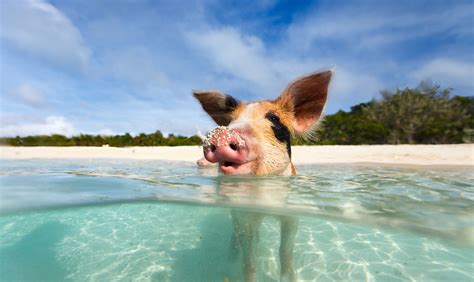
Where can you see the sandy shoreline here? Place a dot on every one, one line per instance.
(438, 155)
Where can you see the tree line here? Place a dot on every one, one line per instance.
(125, 140)
(422, 115)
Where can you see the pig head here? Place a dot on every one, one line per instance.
(255, 138)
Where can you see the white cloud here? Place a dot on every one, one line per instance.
(246, 57)
(51, 125)
(39, 28)
(368, 25)
(237, 54)
(29, 95)
(448, 72)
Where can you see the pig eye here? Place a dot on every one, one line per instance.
(272, 117)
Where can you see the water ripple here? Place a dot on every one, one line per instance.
(432, 201)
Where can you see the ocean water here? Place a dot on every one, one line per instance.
(102, 220)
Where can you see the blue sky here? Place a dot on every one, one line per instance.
(110, 67)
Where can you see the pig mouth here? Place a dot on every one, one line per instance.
(228, 167)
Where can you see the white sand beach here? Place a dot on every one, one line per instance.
(438, 155)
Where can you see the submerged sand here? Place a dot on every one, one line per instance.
(439, 155)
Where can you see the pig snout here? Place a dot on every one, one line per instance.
(224, 145)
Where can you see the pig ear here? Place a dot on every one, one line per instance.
(217, 105)
(306, 98)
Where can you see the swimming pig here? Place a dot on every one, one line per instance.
(255, 138)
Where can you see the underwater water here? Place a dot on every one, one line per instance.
(170, 221)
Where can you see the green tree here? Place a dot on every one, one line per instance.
(349, 128)
(421, 115)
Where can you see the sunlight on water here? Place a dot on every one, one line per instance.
(150, 220)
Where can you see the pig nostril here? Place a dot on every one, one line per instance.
(233, 146)
(213, 147)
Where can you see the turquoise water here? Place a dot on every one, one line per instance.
(170, 221)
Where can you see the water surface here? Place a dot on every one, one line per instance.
(154, 220)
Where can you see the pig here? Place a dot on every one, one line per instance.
(255, 139)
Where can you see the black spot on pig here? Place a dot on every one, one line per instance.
(280, 131)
